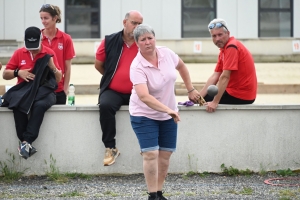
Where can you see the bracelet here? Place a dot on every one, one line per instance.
(191, 90)
(16, 72)
(55, 70)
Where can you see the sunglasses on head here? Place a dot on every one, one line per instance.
(47, 6)
(216, 25)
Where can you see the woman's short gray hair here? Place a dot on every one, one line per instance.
(141, 30)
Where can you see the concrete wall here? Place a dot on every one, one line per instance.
(257, 137)
(263, 50)
(18, 15)
(164, 16)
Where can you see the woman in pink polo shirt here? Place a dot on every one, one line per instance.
(153, 108)
(61, 43)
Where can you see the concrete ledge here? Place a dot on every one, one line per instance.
(257, 137)
(261, 88)
(181, 91)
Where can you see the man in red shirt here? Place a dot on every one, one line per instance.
(235, 73)
(113, 60)
(29, 65)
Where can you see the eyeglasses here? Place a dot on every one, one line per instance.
(216, 25)
(135, 23)
(47, 6)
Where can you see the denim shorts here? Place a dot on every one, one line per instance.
(155, 134)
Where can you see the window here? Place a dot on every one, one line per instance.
(275, 18)
(196, 14)
(83, 18)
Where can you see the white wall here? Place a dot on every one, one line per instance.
(296, 19)
(163, 16)
(227, 10)
(257, 137)
(247, 23)
(18, 15)
(2, 17)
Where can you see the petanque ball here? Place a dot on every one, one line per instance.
(212, 90)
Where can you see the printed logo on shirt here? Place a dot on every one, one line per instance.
(60, 46)
(23, 62)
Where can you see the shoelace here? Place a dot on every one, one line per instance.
(27, 147)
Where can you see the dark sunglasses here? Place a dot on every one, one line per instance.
(217, 25)
(47, 6)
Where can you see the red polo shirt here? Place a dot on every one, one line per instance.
(243, 81)
(62, 45)
(120, 81)
(22, 59)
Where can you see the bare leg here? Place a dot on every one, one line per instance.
(150, 166)
(163, 166)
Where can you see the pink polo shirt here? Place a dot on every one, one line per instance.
(160, 82)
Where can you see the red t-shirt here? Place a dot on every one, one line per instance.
(120, 81)
(22, 59)
(243, 82)
(62, 45)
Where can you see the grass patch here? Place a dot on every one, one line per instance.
(244, 191)
(4, 195)
(247, 191)
(287, 193)
(190, 194)
(78, 175)
(54, 173)
(74, 193)
(10, 170)
(110, 193)
(285, 172)
(231, 171)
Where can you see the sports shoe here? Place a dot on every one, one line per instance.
(32, 151)
(26, 150)
(160, 195)
(110, 156)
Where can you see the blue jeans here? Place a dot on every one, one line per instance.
(155, 134)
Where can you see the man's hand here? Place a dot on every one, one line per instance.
(211, 107)
(26, 75)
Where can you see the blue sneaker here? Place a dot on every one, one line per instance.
(26, 150)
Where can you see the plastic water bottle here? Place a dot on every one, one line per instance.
(71, 96)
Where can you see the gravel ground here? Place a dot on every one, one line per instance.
(177, 186)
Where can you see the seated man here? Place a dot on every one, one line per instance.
(38, 73)
(235, 73)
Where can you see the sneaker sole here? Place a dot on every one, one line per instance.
(114, 160)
